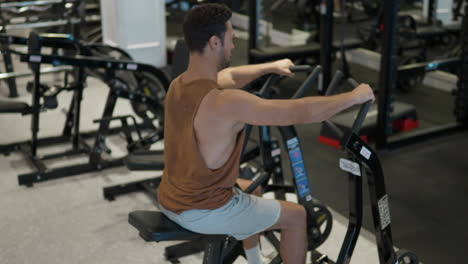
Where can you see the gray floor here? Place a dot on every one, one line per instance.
(68, 221)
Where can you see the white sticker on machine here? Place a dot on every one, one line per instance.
(365, 152)
(275, 152)
(350, 166)
(132, 66)
(35, 58)
(384, 212)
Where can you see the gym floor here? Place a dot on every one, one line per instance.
(68, 221)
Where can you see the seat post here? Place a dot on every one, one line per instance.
(214, 249)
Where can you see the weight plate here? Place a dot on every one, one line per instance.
(320, 222)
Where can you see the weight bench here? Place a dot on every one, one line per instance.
(13, 107)
(155, 226)
(430, 31)
(453, 28)
(146, 160)
(139, 161)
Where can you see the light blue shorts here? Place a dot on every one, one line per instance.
(243, 216)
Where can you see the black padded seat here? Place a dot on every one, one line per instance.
(430, 31)
(148, 160)
(13, 107)
(291, 52)
(155, 226)
(453, 28)
(299, 51)
(348, 43)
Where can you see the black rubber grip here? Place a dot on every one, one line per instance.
(360, 117)
(362, 111)
(307, 84)
(300, 68)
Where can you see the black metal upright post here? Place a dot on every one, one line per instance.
(77, 104)
(326, 41)
(67, 129)
(355, 218)
(36, 104)
(34, 47)
(95, 157)
(461, 101)
(254, 10)
(432, 11)
(7, 60)
(380, 212)
(388, 72)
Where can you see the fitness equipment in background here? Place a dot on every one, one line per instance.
(388, 77)
(389, 116)
(310, 53)
(118, 89)
(59, 16)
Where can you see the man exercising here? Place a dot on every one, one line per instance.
(205, 114)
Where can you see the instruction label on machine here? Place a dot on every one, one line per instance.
(365, 152)
(384, 212)
(297, 165)
(276, 152)
(351, 167)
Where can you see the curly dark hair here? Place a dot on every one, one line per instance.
(203, 22)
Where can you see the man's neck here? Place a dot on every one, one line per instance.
(200, 68)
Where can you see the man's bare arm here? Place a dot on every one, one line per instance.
(240, 76)
(241, 107)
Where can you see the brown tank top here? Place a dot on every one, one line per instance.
(187, 183)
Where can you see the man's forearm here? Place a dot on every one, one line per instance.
(300, 111)
(307, 110)
(318, 109)
(240, 76)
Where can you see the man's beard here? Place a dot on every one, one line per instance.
(223, 61)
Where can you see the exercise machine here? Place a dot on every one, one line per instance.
(64, 16)
(154, 226)
(363, 160)
(118, 89)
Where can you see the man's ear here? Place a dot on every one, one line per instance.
(214, 42)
